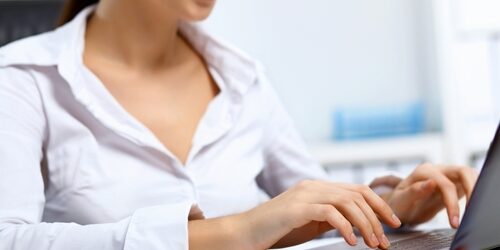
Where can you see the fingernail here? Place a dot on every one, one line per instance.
(385, 241)
(454, 221)
(396, 219)
(353, 239)
(374, 239)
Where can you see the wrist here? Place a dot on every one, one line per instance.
(239, 228)
(218, 233)
(264, 226)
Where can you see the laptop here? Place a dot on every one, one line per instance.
(480, 226)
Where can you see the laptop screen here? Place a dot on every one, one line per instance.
(481, 222)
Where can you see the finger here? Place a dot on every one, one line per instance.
(376, 225)
(355, 215)
(377, 204)
(450, 198)
(460, 190)
(446, 187)
(389, 180)
(468, 178)
(331, 215)
(327, 193)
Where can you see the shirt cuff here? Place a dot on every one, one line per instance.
(159, 227)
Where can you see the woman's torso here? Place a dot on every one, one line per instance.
(101, 163)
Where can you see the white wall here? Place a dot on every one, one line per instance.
(466, 53)
(323, 53)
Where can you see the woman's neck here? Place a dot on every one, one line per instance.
(138, 34)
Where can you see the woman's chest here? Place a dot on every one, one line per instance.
(169, 104)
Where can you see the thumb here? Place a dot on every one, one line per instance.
(388, 180)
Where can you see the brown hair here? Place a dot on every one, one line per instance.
(72, 8)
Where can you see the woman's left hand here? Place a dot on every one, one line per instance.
(428, 190)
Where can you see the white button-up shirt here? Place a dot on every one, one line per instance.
(79, 172)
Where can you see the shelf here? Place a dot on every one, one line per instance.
(427, 147)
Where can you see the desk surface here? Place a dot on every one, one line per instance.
(315, 243)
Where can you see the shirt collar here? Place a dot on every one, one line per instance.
(64, 46)
(238, 71)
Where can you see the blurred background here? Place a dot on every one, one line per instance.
(377, 86)
(373, 86)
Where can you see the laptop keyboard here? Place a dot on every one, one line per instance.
(432, 240)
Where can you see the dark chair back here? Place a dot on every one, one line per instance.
(20, 18)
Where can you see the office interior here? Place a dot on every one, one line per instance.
(373, 86)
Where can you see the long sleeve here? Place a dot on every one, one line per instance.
(22, 134)
(288, 160)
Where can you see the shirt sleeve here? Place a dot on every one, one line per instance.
(22, 133)
(288, 160)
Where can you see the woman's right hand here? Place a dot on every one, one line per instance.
(316, 206)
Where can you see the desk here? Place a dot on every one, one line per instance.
(315, 243)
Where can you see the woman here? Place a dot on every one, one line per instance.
(131, 128)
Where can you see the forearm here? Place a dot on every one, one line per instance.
(258, 228)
